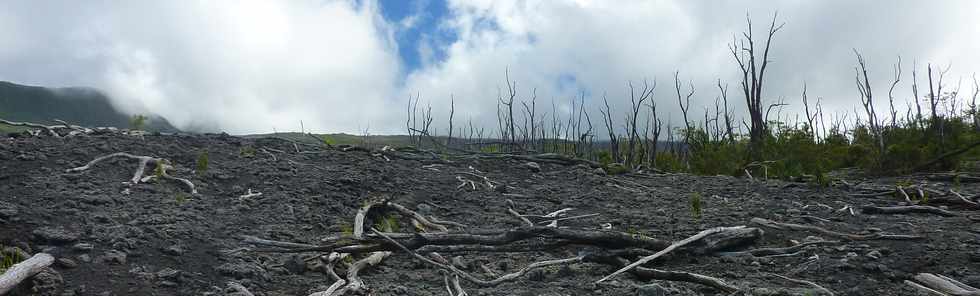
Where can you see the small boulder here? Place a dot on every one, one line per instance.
(66, 263)
(174, 250)
(114, 257)
(55, 235)
(533, 166)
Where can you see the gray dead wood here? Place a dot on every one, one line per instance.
(670, 248)
(846, 236)
(937, 284)
(23, 270)
(819, 288)
(480, 282)
(32, 125)
(645, 273)
(140, 170)
(241, 290)
(906, 210)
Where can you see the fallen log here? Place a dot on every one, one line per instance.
(645, 273)
(163, 166)
(846, 236)
(937, 284)
(906, 210)
(32, 125)
(672, 247)
(23, 270)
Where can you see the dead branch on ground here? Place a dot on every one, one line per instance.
(937, 284)
(433, 236)
(847, 236)
(162, 166)
(906, 210)
(23, 270)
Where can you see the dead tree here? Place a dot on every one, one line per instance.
(556, 127)
(974, 115)
(685, 105)
(657, 125)
(410, 125)
(810, 118)
(452, 111)
(509, 104)
(753, 75)
(915, 98)
(867, 100)
(729, 116)
(586, 139)
(611, 130)
(935, 93)
(636, 102)
(891, 97)
(530, 113)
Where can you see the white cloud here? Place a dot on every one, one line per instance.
(251, 66)
(604, 44)
(243, 66)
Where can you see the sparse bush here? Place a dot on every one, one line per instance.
(246, 151)
(387, 223)
(138, 122)
(697, 205)
(180, 198)
(202, 163)
(8, 259)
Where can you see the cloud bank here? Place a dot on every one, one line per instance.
(256, 66)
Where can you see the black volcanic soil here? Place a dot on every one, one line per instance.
(155, 239)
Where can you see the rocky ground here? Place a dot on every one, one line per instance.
(155, 238)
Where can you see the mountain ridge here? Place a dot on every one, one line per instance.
(77, 105)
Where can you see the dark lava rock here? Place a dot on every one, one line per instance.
(533, 166)
(55, 235)
(66, 263)
(174, 250)
(47, 282)
(654, 290)
(7, 210)
(114, 257)
(241, 270)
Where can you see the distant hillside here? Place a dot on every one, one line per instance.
(340, 139)
(76, 105)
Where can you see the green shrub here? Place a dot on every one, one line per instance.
(138, 122)
(387, 223)
(696, 205)
(246, 151)
(202, 162)
(8, 259)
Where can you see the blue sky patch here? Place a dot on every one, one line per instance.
(418, 23)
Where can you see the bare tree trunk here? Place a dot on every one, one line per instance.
(531, 113)
(636, 101)
(657, 125)
(685, 105)
(452, 111)
(752, 82)
(891, 98)
(973, 105)
(611, 130)
(512, 91)
(867, 100)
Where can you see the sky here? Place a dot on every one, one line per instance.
(351, 66)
